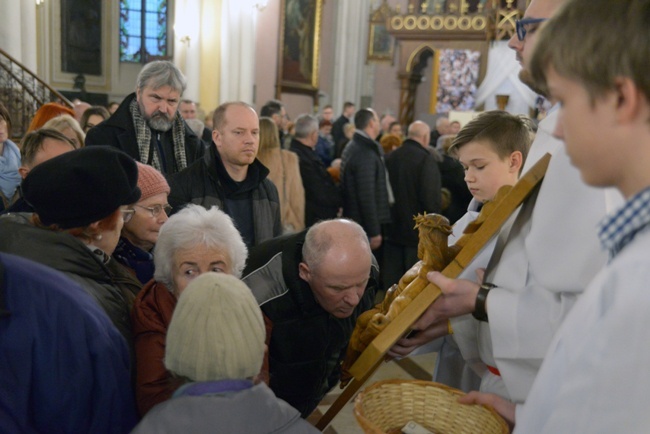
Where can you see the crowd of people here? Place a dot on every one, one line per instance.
(457, 80)
(159, 273)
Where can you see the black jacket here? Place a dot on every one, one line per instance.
(452, 176)
(363, 183)
(118, 131)
(65, 253)
(337, 128)
(322, 195)
(415, 179)
(207, 183)
(307, 343)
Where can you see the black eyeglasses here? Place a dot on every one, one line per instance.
(156, 209)
(127, 214)
(521, 26)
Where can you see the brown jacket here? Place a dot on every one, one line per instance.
(284, 172)
(150, 318)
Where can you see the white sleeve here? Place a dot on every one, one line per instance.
(552, 254)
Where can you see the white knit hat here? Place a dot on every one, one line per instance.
(217, 331)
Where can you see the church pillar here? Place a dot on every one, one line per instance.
(188, 42)
(28, 34)
(10, 33)
(238, 24)
(350, 53)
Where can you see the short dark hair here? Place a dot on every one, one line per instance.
(33, 142)
(347, 104)
(504, 132)
(602, 56)
(362, 118)
(272, 107)
(94, 110)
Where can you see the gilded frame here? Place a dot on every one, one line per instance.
(299, 48)
(381, 44)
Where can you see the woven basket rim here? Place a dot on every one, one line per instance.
(370, 427)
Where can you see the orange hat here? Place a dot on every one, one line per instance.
(47, 112)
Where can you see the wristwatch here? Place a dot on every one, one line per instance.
(480, 313)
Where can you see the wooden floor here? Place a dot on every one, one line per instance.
(418, 367)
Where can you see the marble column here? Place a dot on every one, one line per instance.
(350, 54)
(10, 31)
(238, 24)
(28, 34)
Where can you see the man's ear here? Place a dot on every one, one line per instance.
(216, 137)
(630, 102)
(93, 229)
(303, 272)
(23, 171)
(516, 161)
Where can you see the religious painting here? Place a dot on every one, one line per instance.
(457, 81)
(380, 42)
(81, 36)
(298, 61)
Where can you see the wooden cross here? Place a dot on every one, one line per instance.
(374, 354)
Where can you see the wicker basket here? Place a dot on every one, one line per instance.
(386, 406)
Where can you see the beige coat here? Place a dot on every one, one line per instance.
(285, 174)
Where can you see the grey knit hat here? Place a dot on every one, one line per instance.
(217, 331)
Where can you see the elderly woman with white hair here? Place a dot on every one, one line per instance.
(192, 242)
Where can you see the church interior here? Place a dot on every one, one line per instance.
(384, 54)
(408, 59)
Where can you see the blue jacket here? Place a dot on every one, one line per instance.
(64, 367)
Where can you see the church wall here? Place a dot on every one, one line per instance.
(266, 59)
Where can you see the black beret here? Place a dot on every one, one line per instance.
(82, 186)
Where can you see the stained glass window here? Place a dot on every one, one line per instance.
(143, 30)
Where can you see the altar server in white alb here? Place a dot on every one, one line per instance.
(593, 58)
(545, 255)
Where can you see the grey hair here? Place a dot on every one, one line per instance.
(305, 125)
(161, 73)
(318, 241)
(193, 226)
(441, 119)
(61, 122)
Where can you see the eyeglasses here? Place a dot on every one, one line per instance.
(127, 214)
(156, 209)
(520, 25)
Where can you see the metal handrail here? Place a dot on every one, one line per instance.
(23, 92)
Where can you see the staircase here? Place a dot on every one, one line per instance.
(22, 93)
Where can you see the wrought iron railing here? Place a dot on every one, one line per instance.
(22, 93)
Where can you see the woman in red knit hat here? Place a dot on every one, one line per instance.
(140, 233)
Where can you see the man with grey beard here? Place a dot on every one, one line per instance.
(147, 124)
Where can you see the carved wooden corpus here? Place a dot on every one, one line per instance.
(434, 254)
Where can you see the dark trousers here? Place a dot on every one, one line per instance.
(398, 259)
